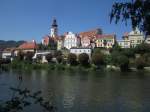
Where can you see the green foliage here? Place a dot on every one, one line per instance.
(98, 59)
(123, 62)
(128, 52)
(28, 56)
(108, 59)
(113, 58)
(142, 48)
(57, 53)
(140, 63)
(72, 59)
(39, 58)
(60, 67)
(49, 57)
(120, 60)
(23, 98)
(59, 59)
(20, 56)
(97, 50)
(84, 59)
(136, 10)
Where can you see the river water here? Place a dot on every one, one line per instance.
(80, 91)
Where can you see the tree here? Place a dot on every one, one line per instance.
(142, 48)
(72, 59)
(59, 59)
(28, 56)
(120, 60)
(57, 53)
(23, 98)
(49, 57)
(114, 57)
(84, 59)
(98, 59)
(128, 52)
(140, 63)
(20, 55)
(137, 11)
(123, 62)
(39, 58)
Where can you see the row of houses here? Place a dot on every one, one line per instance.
(87, 39)
(93, 38)
(82, 42)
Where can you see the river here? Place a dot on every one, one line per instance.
(80, 91)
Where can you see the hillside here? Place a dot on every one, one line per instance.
(9, 44)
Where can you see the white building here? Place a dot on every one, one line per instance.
(147, 40)
(78, 51)
(124, 43)
(71, 40)
(132, 39)
(7, 55)
(136, 37)
(42, 54)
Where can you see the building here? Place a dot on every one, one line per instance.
(147, 40)
(52, 37)
(105, 41)
(124, 43)
(60, 42)
(8, 53)
(54, 29)
(42, 54)
(71, 40)
(27, 47)
(89, 37)
(46, 40)
(132, 39)
(136, 37)
(78, 51)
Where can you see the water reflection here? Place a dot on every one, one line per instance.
(80, 91)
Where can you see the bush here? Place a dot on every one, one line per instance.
(123, 62)
(140, 63)
(72, 59)
(39, 58)
(142, 48)
(28, 56)
(57, 53)
(98, 59)
(49, 57)
(59, 59)
(84, 59)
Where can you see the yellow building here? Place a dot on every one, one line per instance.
(105, 41)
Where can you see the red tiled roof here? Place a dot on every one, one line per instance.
(106, 36)
(28, 45)
(91, 33)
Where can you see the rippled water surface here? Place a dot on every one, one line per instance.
(76, 91)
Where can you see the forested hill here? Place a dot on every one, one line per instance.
(9, 44)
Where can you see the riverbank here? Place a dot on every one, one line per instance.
(53, 66)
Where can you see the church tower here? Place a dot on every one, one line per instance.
(54, 28)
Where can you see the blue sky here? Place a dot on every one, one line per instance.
(31, 19)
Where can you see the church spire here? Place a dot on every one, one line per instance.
(54, 28)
